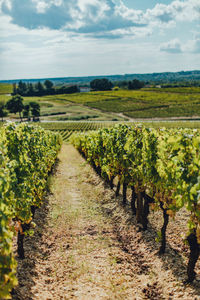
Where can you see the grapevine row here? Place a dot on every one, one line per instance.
(27, 154)
(71, 127)
(161, 166)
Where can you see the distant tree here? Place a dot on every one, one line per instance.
(135, 84)
(15, 105)
(3, 112)
(30, 90)
(122, 83)
(48, 84)
(49, 89)
(22, 88)
(39, 89)
(35, 110)
(101, 84)
(67, 89)
(26, 111)
(14, 89)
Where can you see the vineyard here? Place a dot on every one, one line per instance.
(151, 173)
(66, 129)
(162, 169)
(27, 156)
(162, 103)
(115, 105)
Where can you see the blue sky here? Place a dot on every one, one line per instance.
(143, 4)
(57, 38)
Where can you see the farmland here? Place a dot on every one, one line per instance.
(5, 88)
(148, 104)
(83, 111)
(117, 105)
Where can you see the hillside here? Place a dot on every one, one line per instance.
(116, 105)
(164, 77)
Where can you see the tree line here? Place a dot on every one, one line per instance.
(48, 88)
(105, 85)
(32, 109)
(40, 89)
(16, 105)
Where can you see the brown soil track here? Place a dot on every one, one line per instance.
(88, 246)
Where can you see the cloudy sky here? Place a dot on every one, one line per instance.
(58, 38)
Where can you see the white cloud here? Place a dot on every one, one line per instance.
(160, 13)
(173, 46)
(187, 10)
(176, 46)
(41, 6)
(196, 48)
(67, 34)
(193, 46)
(7, 3)
(97, 16)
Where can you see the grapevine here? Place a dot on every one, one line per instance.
(161, 166)
(27, 155)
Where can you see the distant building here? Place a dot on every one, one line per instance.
(84, 89)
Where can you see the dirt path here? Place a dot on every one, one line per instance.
(87, 246)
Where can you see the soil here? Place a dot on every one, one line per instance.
(87, 245)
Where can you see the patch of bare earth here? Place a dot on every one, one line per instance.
(88, 246)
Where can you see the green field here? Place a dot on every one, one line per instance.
(147, 104)
(6, 88)
(117, 105)
(58, 107)
(187, 90)
(158, 103)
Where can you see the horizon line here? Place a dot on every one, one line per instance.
(89, 76)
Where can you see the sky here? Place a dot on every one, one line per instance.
(62, 38)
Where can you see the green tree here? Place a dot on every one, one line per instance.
(68, 89)
(101, 84)
(35, 110)
(49, 89)
(40, 89)
(14, 89)
(15, 105)
(26, 111)
(135, 84)
(122, 83)
(48, 84)
(22, 88)
(3, 112)
(30, 89)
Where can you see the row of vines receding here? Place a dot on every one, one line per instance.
(162, 168)
(27, 155)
